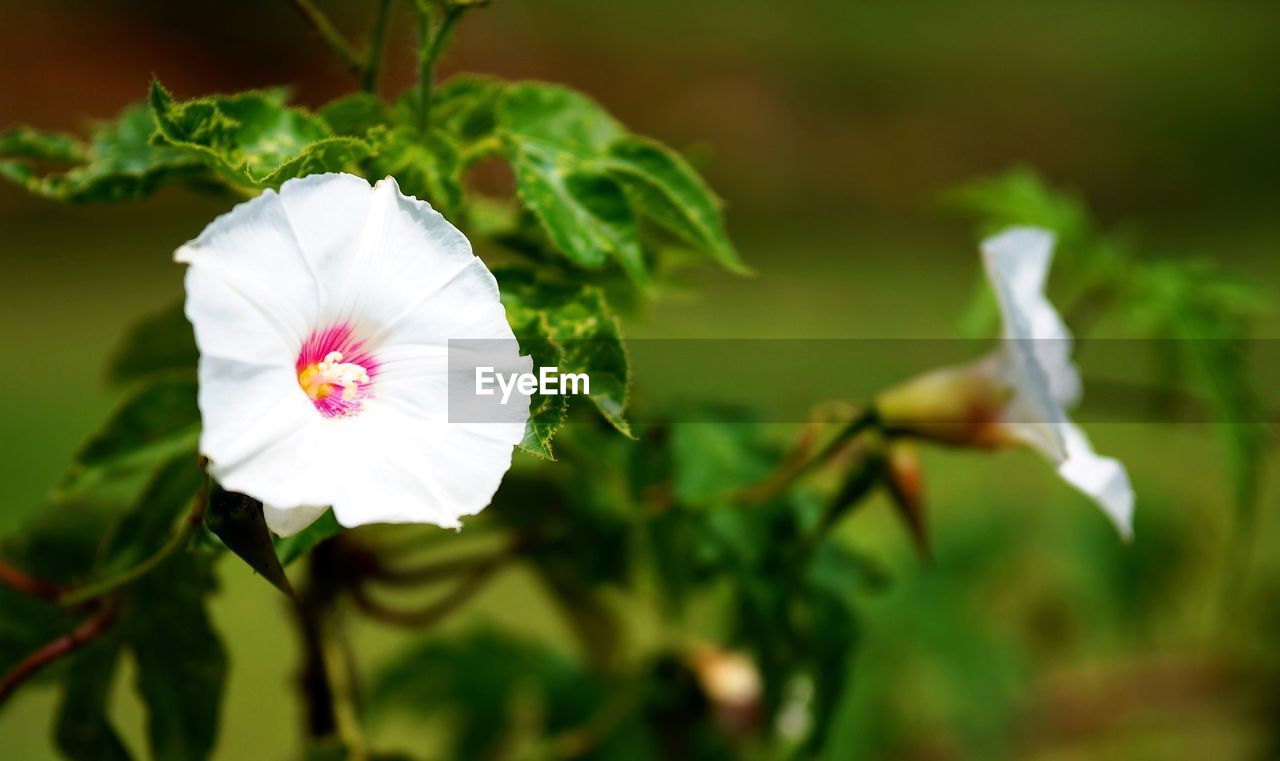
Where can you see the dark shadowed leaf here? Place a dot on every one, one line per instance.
(181, 662)
(83, 731)
(160, 341)
(237, 520)
(156, 421)
(150, 522)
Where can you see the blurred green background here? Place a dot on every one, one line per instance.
(829, 126)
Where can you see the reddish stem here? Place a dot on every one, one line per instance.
(12, 577)
(61, 647)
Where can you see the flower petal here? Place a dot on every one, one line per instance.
(424, 472)
(1103, 479)
(327, 214)
(1017, 262)
(247, 266)
(287, 522)
(407, 253)
(247, 407)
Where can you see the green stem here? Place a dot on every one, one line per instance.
(377, 41)
(798, 465)
(430, 47)
(176, 542)
(330, 34)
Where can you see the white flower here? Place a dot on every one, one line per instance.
(1019, 393)
(323, 315)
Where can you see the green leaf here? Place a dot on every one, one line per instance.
(119, 164)
(355, 114)
(252, 139)
(150, 522)
(663, 186)
(1211, 316)
(573, 327)
(82, 731)
(426, 166)
(238, 521)
(711, 459)
(156, 421)
(484, 678)
(294, 547)
(1021, 197)
(554, 138)
(546, 412)
(465, 107)
(27, 143)
(181, 662)
(158, 342)
(558, 117)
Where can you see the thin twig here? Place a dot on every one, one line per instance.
(377, 41)
(19, 580)
(330, 34)
(59, 648)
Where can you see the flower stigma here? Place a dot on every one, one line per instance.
(335, 372)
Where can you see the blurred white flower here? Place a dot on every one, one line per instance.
(1018, 394)
(323, 315)
(732, 685)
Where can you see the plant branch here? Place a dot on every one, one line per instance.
(799, 463)
(431, 44)
(445, 569)
(472, 583)
(377, 41)
(29, 585)
(177, 541)
(57, 649)
(337, 666)
(330, 34)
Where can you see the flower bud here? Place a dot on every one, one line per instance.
(906, 486)
(960, 404)
(732, 686)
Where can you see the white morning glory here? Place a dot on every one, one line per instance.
(1019, 393)
(323, 315)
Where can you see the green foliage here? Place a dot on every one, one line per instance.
(157, 420)
(181, 662)
(83, 731)
(251, 139)
(145, 527)
(426, 166)
(120, 163)
(159, 342)
(496, 672)
(662, 185)
(570, 327)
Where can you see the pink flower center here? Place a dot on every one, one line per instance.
(336, 371)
